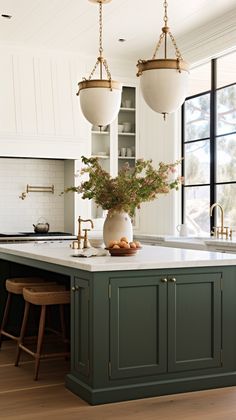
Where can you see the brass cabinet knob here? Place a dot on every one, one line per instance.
(73, 289)
(173, 279)
(164, 280)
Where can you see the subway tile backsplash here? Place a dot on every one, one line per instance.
(17, 215)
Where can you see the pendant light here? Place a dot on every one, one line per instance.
(164, 81)
(100, 99)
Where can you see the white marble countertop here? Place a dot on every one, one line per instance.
(148, 257)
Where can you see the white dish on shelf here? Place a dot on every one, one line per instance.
(101, 154)
(127, 127)
(120, 128)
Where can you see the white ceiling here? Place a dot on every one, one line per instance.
(72, 25)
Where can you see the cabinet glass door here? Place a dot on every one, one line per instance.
(127, 128)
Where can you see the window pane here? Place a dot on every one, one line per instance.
(197, 162)
(200, 79)
(226, 66)
(226, 158)
(226, 196)
(226, 110)
(197, 206)
(197, 118)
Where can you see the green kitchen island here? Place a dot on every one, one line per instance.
(160, 322)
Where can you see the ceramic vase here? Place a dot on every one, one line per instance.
(117, 225)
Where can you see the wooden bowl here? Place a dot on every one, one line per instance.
(122, 252)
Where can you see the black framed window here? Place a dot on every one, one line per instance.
(209, 145)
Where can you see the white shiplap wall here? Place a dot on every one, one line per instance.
(19, 215)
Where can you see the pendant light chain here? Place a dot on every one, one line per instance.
(101, 61)
(165, 32)
(165, 4)
(100, 30)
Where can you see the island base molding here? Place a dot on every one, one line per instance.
(147, 390)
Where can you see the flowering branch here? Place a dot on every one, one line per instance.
(130, 188)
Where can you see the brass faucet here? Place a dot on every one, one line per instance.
(220, 230)
(77, 243)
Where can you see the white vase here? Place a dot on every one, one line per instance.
(117, 225)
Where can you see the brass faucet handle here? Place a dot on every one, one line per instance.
(74, 245)
(214, 232)
(226, 232)
(86, 237)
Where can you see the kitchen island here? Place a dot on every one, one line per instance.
(159, 322)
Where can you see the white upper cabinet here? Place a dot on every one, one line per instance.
(39, 111)
(117, 143)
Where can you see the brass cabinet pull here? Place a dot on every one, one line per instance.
(164, 280)
(173, 279)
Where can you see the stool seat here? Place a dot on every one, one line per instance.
(46, 295)
(16, 285)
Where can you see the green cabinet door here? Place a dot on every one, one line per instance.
(138, 335)
(194, 321)
(80, 326)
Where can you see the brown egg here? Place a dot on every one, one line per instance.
(138, 244)
(132, 245)
(122, 244)
(124, 239)
(112, 243)
(115, 246)
(126, 246)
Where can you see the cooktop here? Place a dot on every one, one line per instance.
(34, 234)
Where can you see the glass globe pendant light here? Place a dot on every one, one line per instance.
(100, 99)
(164, 81)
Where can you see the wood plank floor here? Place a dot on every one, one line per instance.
(21, 398)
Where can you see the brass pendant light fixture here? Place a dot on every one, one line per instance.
(164, 81)
(100, 99)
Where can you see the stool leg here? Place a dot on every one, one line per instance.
(22, 332)
(5, 316)
(40, 340)
(63, 324)
(63, 329)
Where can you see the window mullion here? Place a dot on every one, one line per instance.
(213, 105)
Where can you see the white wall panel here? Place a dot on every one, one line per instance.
(44, 96)
(25, 89)
(158, 142)
(62, 94)
(7, 96)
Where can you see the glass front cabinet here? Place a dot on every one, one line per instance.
(116, 144)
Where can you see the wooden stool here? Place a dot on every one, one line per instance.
(43, 296)
(15, 286)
